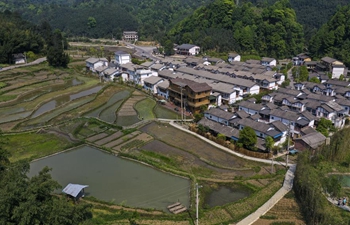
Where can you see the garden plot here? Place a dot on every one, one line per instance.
(145, 108)
(97, 137)
(195, 146)
(109, 115)
(133, 143)
(109, 138)
(189, 162)
(114, 99)
(122, 139)
(128, 107)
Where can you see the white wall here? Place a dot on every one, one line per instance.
(336, 72)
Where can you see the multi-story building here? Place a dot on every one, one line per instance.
(193, 95)
(130, 36)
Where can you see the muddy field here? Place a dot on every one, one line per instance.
(195, 146)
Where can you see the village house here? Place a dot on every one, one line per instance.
(187, 49)
(309, 141)
(19, 58)
(332, 66)
(130, 36)
(162, 89)
(151, 83)
(122, 57)
(110, 74)
(191, 94)
(93, 63)
(265, 61)
(216, 128)
(250, 107)
(234, 57)
(219, 115)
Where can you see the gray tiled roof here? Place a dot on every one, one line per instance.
(153, 79)
(219, 128)
(289, 115)
(261, 127)
(313, 139)
(195, 86)
(250, 105)
(220, 113)
(280, 126)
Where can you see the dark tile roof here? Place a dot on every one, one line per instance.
(250, 105)
(219, 128)
(338, 83)
(313, 139)
(195, 86)
(261, 127)
(307, 130)
(220, 113)
(289, 115)
(280, 126)
(242, 114)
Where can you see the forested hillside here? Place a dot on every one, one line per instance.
(104, 18)
(20, 36)
(270, 30)
(17, 36)
(333, 39)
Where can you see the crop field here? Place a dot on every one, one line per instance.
(106, 117)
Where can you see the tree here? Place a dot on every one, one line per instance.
(325, 126)
(269, 143)
(169, 48)
(56, 56)
(341, 77)
(247, 138)
(91, 22)
(315, 80)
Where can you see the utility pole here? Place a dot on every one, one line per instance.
(182, 115)
(197, 202)
(272, 164)
(288, 145)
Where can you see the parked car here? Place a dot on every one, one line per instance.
(293, 152)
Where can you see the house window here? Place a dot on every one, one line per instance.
(210, 117)
(272, 117)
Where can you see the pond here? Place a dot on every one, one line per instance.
(345, 180)
(225, 195)
(114, 179)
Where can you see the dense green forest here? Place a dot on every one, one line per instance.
(20, 36)
(312, 182)
(270, 30)
(105, 18)
(333, 38)
(17, 36)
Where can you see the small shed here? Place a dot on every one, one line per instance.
(75, 190)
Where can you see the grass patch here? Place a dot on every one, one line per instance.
(5, 98)
(163, 158)
(268, 217)
(145, 108)
(33, 145)
(165, 113)
(2, 84)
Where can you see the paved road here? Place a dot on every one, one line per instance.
(287, 184)
(143, 51)
(38, 61)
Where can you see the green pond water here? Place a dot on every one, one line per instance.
(345, 180)
(226, 195)
(114, 179)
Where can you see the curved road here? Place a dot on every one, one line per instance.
(38, 61)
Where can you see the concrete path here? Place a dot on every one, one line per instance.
(335, 202)
(38, 61)
(287, 184)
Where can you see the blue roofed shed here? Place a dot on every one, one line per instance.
(75, 190)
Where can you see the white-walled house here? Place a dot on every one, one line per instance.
(250, 107)
(93, 63)
(122, 57)
(140, 75)
(234, 57)
(162, 89)
(219, 115)
(110, 73)
(265, 61)
(151, 83)
(187, 49)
